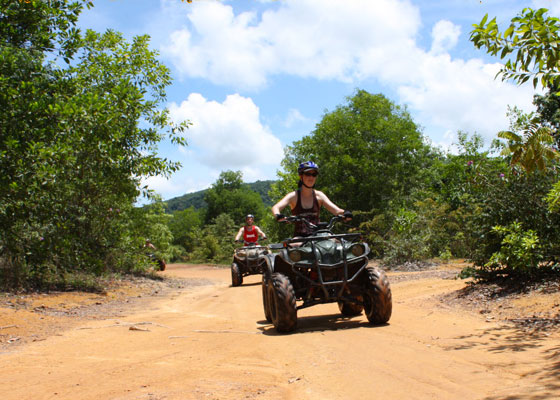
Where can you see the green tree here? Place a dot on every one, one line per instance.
(452, 171)
(532, 148)
(520, 251)
(151, 222)
(216, 241)
(76, 140)
(41, 26)
(500, 196)
(529, 45)
(370, 153)
(229, 195)
(548, 109)
(184, 226)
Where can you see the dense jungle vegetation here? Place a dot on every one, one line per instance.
(73, 151)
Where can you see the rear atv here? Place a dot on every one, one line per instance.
(160, 262)
(323, 268)
(248, 260)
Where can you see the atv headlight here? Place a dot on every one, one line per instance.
(357, 250)
(296, 255)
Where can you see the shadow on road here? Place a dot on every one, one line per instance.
(511, 339)
(321, 323)
(247, 284)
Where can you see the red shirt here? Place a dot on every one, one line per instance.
(250, 234)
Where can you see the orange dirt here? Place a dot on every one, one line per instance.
(196, 337)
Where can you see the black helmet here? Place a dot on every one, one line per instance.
(306, 166)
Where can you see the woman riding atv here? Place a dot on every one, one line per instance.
(306, 202)
(318, 266)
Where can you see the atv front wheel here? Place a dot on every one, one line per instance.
(282, 303)
(236, 277)
(378, 303)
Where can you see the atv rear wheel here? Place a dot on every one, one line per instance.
(236, 277)
(350, 309)
(282, 303)
(266, 305)
(378, 303)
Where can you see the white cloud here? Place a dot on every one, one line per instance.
(220, 46)
(294, 116)
(552, 5)
(306, 38)
(175, 186)
(445, 35)
(228, 134)
(458, 95)
(349, 41)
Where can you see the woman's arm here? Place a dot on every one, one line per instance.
(328, 204)
(286, 201)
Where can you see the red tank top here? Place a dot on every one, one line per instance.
(310, 214)
(250, 234)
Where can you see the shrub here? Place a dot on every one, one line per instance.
(520, 251)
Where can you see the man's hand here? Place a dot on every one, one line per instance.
(347, 215)
(280, 217)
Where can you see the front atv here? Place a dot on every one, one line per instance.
(323, 268)
(248, 260)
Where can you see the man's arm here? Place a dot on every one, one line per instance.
(239, 233)
(260, 232)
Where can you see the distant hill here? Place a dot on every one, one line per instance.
(196, 199)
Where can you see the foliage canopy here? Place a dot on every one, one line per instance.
(530, 46)
(77, 136)
(369, 150)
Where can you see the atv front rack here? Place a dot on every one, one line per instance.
(333, 290)
(305, 239)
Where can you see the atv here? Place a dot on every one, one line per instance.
(248, 260)
(323, 268)
(160, 262)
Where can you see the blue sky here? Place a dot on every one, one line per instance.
(252, 76)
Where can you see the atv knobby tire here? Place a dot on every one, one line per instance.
(378, 303)
(350, 309)
(266, 305)
(161, 265)
(236, 277)
(282, 303)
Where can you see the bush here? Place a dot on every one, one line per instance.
(520, 251)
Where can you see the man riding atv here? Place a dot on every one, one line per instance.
(151, 253)
(249, 231)
(318, 266)
(250, 258)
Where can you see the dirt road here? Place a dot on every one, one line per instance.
(211, 341)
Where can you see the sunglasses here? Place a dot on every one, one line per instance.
(313, 174)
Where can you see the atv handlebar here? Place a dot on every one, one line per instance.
(249, 244)
(320, 226)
